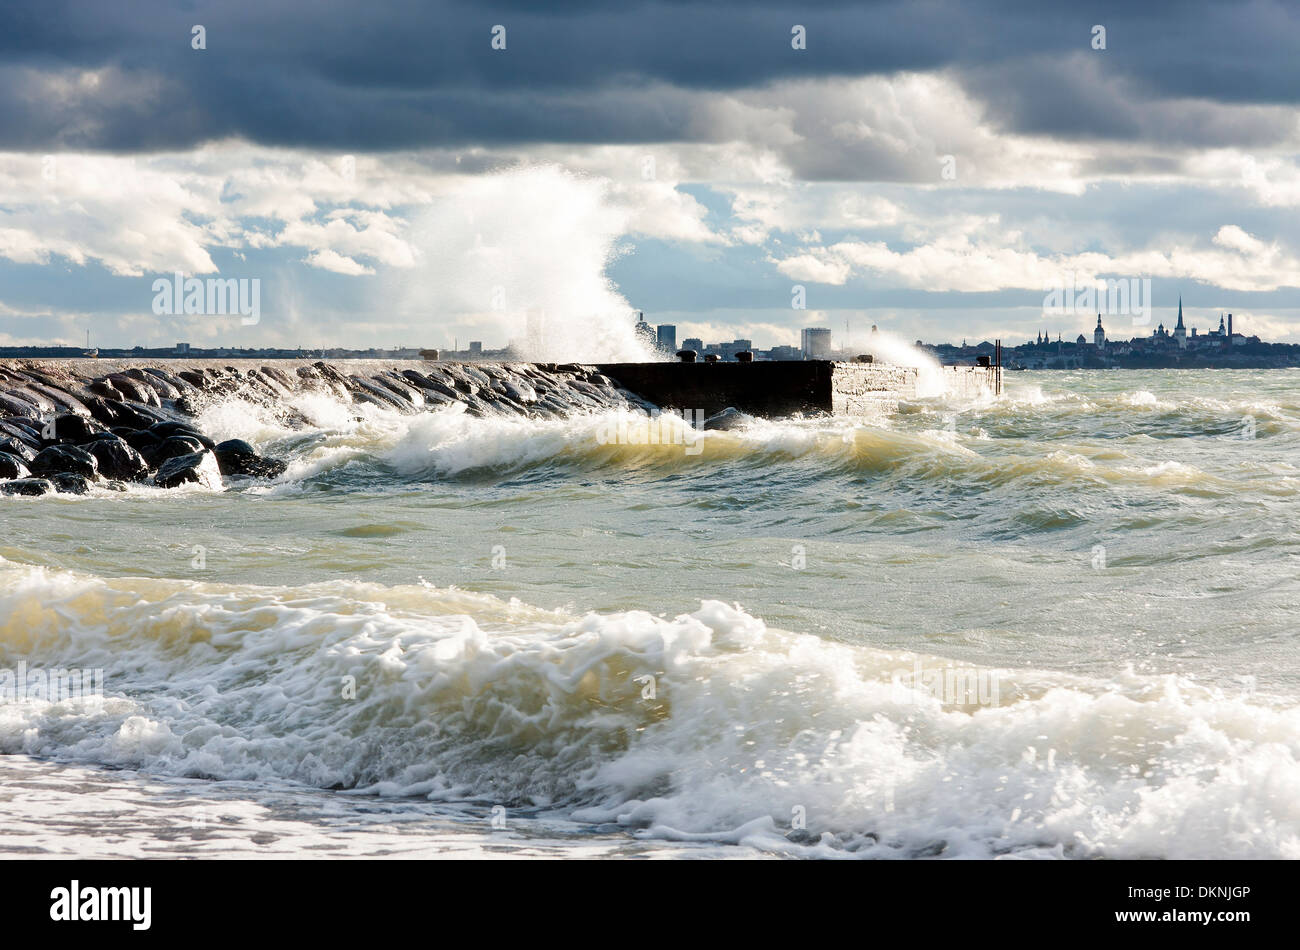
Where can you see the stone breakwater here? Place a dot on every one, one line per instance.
(68, 424)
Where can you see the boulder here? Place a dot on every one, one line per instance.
(106, 389)
(176, 446)
(75, 428)
(237, 457)
(118, 460)
(198, 468)
(165, 430)
(64, 458)
(11, 405)
(13, 466)
(137, 390)
(140, 439)
(63, 401)
(28, 486)
(69, 484)
(19, 450)
(156, 381)
(126, 414)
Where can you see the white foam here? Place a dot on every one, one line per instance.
(461, 696)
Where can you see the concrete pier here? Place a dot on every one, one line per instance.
(784, 388)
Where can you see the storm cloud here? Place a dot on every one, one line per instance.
(329, 74)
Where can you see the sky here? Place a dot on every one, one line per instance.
(426, 173)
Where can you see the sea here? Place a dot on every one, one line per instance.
(1054, 624)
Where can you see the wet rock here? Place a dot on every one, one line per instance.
(140, 439)
(20, 450)
(174, 381)
(176, 446)
(198, 468)
(28, 486)
(237, 457)
(281, 377)
(402, 388)
(115, 486)
(12, 405)
(476, 375)
(520, 391)
(386, 397)
(128, 414)
(103, 410)
(64, 458)
(134, 389)
(118, 460)
(75, 428)
(438, 386)
(165, 430)
(19, 432)
(63, 401)
(69, 484)
(164, 389)
(106, 389)
(105, 436)
(13, 466)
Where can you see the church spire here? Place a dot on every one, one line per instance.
(1180, 313)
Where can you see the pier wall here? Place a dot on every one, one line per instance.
(783, 388)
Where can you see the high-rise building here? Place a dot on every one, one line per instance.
(815, 342)
(666, 333)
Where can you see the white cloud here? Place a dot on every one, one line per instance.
(955, 261)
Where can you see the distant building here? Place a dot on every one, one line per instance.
(666, 335)
(1180, 331)
(182, 349)
(815, 342)
(784, 353)
(476, 349)
(728, 351)
(1099, 334)
(693, 343)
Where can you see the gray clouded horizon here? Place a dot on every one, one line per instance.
(393, 178)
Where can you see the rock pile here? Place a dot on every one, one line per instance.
(67, 425)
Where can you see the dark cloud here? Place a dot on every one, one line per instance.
(400, 74)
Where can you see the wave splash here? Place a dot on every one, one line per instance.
(709, 725)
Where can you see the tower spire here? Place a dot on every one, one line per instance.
(1180, 312)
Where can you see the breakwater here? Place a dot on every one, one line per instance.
(65, 424)
(787, 388)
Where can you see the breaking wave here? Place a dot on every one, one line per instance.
(705, 726)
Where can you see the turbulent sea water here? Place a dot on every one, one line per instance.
(442, 635)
